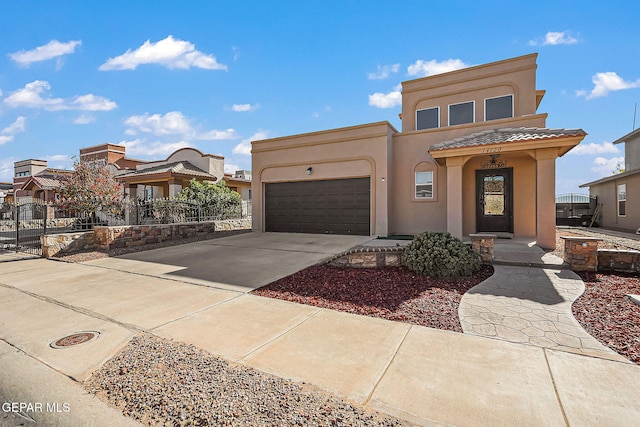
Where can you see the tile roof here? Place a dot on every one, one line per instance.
(182, 167)
(44, 182)
(496, 136)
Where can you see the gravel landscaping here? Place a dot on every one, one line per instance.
(165, 383)
(392, 293)
(608, 315)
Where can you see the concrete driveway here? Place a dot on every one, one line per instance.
(241, 263)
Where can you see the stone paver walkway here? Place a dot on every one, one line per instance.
(532, 306)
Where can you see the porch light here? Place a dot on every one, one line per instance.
(309, 170)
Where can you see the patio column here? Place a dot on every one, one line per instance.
(546, 197)
(175, 185)
(454, 196)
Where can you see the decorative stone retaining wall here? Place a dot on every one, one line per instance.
(581, 253)
(483, 245)
(618, 260)
(67, 242)
(366, 257)
(105, 238)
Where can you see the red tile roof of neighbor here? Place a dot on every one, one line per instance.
(496, 136)
(183, 168)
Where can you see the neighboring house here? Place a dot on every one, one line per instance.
(240, 182)
(165, 178)
(142, 179)
(619, 194)
(473, 155)
(6, 192)
(33, 179)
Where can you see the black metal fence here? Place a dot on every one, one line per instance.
(169, 211)
(575, 209)
(22, 223)
(21, 226)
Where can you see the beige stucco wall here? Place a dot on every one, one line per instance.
(632, 153)
(352, 152)
(515, 76)
(410, 153)
(607, 196)
(378, 151)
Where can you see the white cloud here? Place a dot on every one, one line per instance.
(383, 72)
(6, 168)
(17, 126)
(173, 123)
(606, 167)
(53, 49)
(244, 107)
(34, 95)
(155, 149)
(59, 161)
(84, 119)
(555, 38)
(429, 68)
(245, 146)
(593, 148)
(170, 52)
(386, 100)
(607, 82)
(6, 134)
(231, 168)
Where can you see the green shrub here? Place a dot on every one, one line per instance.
(440, 255)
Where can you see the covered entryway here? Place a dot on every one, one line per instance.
(335, 206)
(494, 191)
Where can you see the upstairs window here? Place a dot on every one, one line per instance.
(500, 107)
(428, 118)
(622, 200)
(461, 113)
(424, 185)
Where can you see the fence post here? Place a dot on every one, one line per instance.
(17, 225)
(46, 215)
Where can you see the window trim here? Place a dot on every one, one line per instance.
(415, 186)
(473, 112)
(423, 166)
(618, 199)
(437, 108)
(513, 107)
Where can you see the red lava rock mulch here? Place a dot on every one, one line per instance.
(609, 316)
(392, 293)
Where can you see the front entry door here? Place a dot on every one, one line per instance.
(494, 195)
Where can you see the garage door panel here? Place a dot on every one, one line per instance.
(340, 206)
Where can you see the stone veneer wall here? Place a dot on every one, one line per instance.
(53, 244)
(105, 238)
(367, 257)
(618, 260)
(582, 254)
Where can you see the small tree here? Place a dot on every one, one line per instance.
(217, 198)
(90, 188)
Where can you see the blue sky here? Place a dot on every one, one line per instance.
(160, 75)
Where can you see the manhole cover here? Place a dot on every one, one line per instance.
(75, 339)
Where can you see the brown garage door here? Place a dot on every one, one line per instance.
(338, 206)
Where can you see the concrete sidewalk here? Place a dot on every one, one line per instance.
(425, 376)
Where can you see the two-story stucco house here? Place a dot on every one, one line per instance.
(473, 155)
(619, 194)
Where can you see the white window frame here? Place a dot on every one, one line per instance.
(619, 199)
(473, 112)
(501, 96)
(424, 109)
(415, 189)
